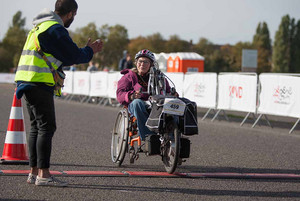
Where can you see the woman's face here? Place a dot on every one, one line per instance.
(143, 65)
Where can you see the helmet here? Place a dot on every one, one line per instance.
(145, 53)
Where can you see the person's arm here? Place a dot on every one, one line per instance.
(124, 91)
(56, 41)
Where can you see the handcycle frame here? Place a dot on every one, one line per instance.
(125, 137)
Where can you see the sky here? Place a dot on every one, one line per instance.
(220, 21)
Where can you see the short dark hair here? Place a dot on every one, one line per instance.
(63, 7)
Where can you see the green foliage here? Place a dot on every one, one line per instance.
(5, 60)
(295, 48)
(214, 60)
(286, 49)
(175, 44)
(80, 37)
(156, 43)
(236, 55)
(262, 42)
(281, 48)
(18, 21)
(137, 44)
(115, 42)
(12, 43)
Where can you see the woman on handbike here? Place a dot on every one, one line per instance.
(170, 116)
(132, 90)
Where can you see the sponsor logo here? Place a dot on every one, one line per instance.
(98, 85)
(115, 85)
(81, 82)
(199, 90)
(282, 95)
(236, 92)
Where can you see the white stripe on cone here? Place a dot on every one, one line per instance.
(16, 113)
(15, 137)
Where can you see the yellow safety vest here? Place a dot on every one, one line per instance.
(32, 67)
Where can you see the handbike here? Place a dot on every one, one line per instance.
(167, 119)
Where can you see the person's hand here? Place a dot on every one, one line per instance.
(96, 45)
(136, 95)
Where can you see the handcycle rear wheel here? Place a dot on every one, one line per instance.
(171, 149)
(119, 140)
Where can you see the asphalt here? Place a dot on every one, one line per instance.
(227, 162)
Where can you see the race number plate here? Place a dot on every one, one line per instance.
(174, 106)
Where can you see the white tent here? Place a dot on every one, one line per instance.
(162, 59)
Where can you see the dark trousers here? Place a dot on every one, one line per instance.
(40, 106)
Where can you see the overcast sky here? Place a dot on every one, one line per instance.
(220, 21)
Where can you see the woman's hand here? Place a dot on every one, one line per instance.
(136, 95)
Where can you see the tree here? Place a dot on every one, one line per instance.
(175, 44)
(295, 48)
(212, 54)
(80, 37)
(156, 43)
(235, 56)
(115, 42)
(137, 44)
(262, 42)
(13, 43)
(281, 48)
(204, 47)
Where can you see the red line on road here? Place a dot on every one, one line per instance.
(162, 174)
(88, 173)
(154, 174)
(21, 172)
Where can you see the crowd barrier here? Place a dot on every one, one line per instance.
(266, 94)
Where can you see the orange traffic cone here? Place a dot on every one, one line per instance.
(15, 147)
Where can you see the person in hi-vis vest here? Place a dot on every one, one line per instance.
(47, 49)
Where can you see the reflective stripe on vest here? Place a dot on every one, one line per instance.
(32, 67)
(35, 53)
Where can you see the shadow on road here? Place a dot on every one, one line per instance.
(238, 193)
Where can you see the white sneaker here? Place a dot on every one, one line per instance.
(51, 181)
(31, 178)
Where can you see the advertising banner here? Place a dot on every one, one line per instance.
(99, 84)
(113, 79)
(177, 79)
(7, 78)
(237, 92)
(201, 88)
(68, 84)
(81, 84)
(279, 95)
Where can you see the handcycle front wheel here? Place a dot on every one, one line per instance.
(119, 138)
(171, 149)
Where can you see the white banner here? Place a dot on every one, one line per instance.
(237, 92)
(7, 78)
(177, 79)
(113, 79)
(68, 83)
(81, 83)
(280, 94)
(99, 84)
(201, 88)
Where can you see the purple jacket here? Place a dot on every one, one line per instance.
(128, 84)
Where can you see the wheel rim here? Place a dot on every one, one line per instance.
(118, 138)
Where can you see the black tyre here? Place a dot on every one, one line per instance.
(119, 138)
(171, 148)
